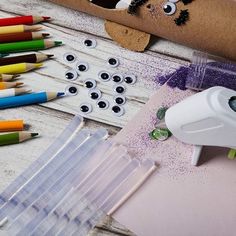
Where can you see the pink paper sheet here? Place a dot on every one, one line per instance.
(179, 199)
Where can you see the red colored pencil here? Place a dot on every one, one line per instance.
(23, 20)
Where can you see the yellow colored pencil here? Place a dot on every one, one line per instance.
(18, 29)
(19, 68)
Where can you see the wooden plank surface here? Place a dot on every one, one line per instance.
(49, 119)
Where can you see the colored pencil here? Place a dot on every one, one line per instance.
(18, 29)
(29, 58)
(11, 125)
(13, 92)
(17, 137)
(19, 68)
(8, 85)
(21, 20)
(28, 99)
(6, 78)
(25, 36)
(24, 46)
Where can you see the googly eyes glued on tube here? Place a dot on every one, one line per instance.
(118, 110)
(130, 79)
(95, 94)
(169, 8)
(71, 74)
(119, 89)
(117, 78)
(85, 108)
(104, 76)
(69, 57)
(90, 43)
(113, 62)
(103, 104)
(71, 90)
(82, 67)
(120, 100)
(90, 83)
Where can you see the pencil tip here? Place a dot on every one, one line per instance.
(37, 65)
(50, 55)
(34, 134)
(45, 35)
(19, 84)
(58, 43)
(46, 18)
(60, 94)
(15, 76)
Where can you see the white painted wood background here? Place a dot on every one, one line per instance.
(49, 119)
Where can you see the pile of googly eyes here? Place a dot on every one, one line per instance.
(119, 83)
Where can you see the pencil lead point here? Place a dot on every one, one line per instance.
(34, 134)
(45, 35)
(50, 55)
(60, 94)
(15, 76)
(46, 18)
(58, 43)
(19, 84)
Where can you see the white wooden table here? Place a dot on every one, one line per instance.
(49, 119)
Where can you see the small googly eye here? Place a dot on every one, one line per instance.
(113, 62)
(82, 67)
(119, 100)
(90, 83)
(70, 57)
(72, 90)
(95, 94)
(90, 43)
(103, 104)
(130, 79)
(169, 8)
(86, 108)
(117, 78)
(118, 110)
(104, 76)
(120, 89)
(71, 75)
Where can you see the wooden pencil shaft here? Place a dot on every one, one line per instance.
(14, 138)
(19, 20)
(19, 68)
(18, 29)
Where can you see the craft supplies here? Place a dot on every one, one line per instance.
(8, 85)
(82, 67)
(19, 68)
(113, 62)
(24, 46)
(11, 125)
(71, 74)
(90, 43)
(21, 20)
(103, 104)
(18, 29)
(13, 92)
(118, 110)
(95, 94)
(90, 83)
(14, 138)
(70, 57)
(6, 78)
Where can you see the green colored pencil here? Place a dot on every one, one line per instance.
(16, 137)
(24, 46)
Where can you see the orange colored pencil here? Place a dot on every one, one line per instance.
(11, 125)
(7, 85)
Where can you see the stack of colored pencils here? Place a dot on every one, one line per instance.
(13, 132)
(20, 34)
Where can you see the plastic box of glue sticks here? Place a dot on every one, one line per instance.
(207, 71)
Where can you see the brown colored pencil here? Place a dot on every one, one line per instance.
(29, 58)
(24, 36)
(7, 78)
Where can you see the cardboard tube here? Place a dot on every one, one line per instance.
(211, 26)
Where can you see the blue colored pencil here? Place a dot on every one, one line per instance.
(28, 99)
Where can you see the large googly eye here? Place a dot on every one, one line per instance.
(118, 111)
(82, 67)
(169, 8)
(70, 57)
(86, 108)
(113, 62)
(90, 83)
(72, 90)
(130, 79)
(90, 43)
(104, 76)
(117, 78)
(120, 100)
(95, 94)
(71, 74)
(103, 104)
(120, 89)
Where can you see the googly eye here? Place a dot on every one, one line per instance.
(104, 76)
(174, 1)
(95, 94)
(113, 62)
(103, 104)
(117, 78)
(90, 43)
(169, 8)
(118, 110)
(119, 100)
(86, 108)
(71, 75)
(72, 90)
(130, 79)
(82, 67)
(69, 57)
(120, 89)
(90, 83)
